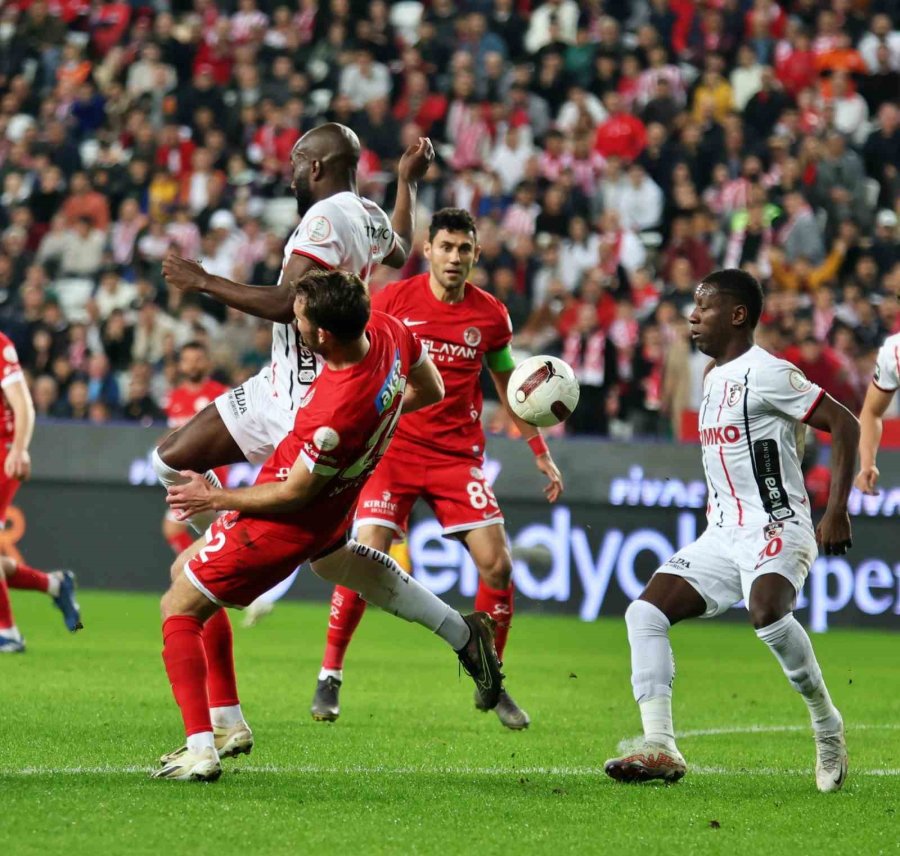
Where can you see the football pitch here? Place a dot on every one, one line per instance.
(411, 767)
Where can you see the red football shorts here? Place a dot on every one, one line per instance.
(454, 488)
(241, 560)
(8, 487)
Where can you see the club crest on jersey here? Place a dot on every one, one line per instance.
(476, 473)
(772, 530)
(734, 393)
(9, 354)
(877, 375)
(472, 336)
(319, 229)
(386, 496)
(326, 439)
(799, 381)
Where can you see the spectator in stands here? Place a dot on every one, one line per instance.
(363, 80)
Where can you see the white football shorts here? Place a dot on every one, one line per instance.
(253, 418)
(724, 561)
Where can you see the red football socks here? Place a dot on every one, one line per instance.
(498, 603)
(6, 616)
(186, 667)
(26, 577)
(180, 542)
(218, 642)
(347, 608)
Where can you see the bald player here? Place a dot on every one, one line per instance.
(338, 229)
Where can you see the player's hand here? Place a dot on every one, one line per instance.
(833, 533)
(192, 497)
(554, 487)
(415, 161)
(17, 465)
(867, 480)
(184, 274)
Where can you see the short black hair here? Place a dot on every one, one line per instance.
(743, 287)
(336, 301)
(453, 220)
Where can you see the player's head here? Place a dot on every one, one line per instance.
(331, 307)
(193, 362)
(323, 162)
(452, 246)
(728, 306)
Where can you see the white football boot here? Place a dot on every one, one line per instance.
(648, 762)
(231, 741)
(190, 766)
(832, 761)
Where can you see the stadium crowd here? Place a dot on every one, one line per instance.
(613, 152)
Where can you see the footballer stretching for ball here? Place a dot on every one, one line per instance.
(438, 453)
(300, 509)
(759, 541)
(16, 429)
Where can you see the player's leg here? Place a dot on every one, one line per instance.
(11, 641)
(489, 548)
(770, 602)
(381, 581)
(345, 613)
(698, 581)
(59, 585)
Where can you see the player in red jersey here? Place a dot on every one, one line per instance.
(16, 429)
(438, 453)
(195, 392)
(301, 507)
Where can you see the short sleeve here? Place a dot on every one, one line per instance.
(321, 445)
(887, 366)
(504, 331)
(418, 353)
(10, 370)
(318, 237)
(786, 389)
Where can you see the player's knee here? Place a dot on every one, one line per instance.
(764, 613)
(645, 619)
(497, 572)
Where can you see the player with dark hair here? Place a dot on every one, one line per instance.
(438, 453)
(759, 542)
(301, 508)
(16, 430)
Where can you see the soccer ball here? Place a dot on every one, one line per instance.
(543, 391)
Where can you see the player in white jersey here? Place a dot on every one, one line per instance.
(881, 392)
(759, 542)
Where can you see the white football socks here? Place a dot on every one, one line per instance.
(168, 476)
(337, 674)
(196, 743)
(226, 717)
(380, 580)
(792, 647)
(652, 670)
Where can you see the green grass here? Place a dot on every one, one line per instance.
(411, 767)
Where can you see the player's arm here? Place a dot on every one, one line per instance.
(412, 167)
(18, 459)
(871, 426)
(278, 497)
(271, 302)
(501, 365)
(833, 531)
(424, 386)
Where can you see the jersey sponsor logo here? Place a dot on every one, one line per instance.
(326, 438)
(376, 232)
(9, 354)
(238, 401)
(799, 381)
(472, 336)
(447, 352)
(678, 562)
(409, 323)
(319, 229)
(391, 386)
(734, 393)
(381, 506)
(768, 479)
(877, 375)
(719, 435)
(306, 362)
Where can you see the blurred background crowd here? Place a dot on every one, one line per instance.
(613, 151)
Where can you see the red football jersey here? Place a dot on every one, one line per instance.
(457, 336)
(343, 426)
(185, 401)
(10, 372)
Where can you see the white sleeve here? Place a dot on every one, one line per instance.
(786, 389)
(887, 366)
(319, 235)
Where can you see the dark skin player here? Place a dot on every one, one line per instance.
(720, 326)
(324, 162)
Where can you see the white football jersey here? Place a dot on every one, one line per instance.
(887, 365)
(751, 435)
(344, 231)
